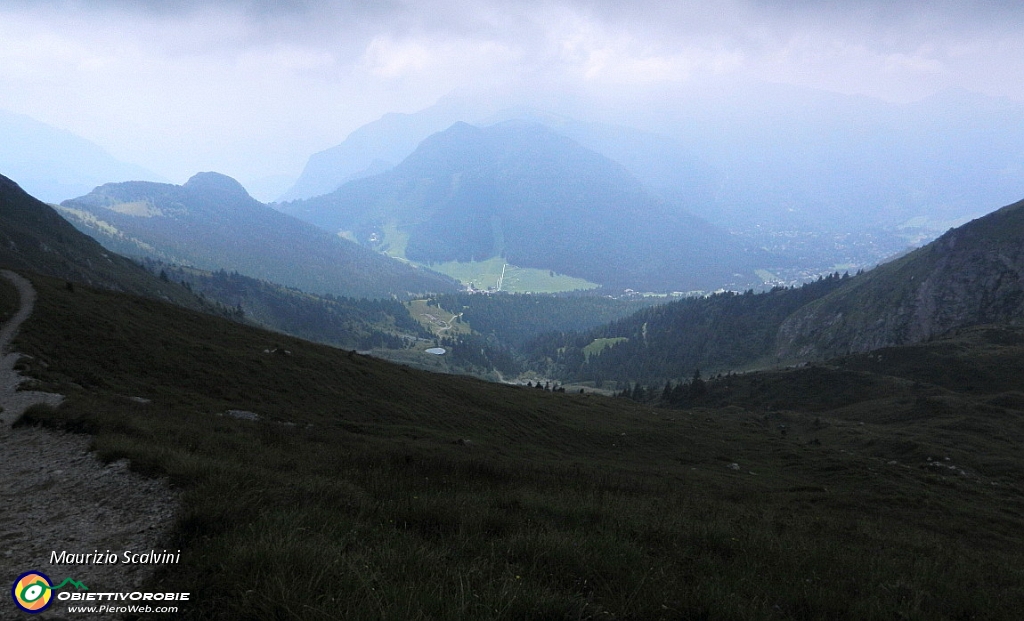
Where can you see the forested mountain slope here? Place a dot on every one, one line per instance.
(342, 322)
(971, 275)
(520, 191)
(718, 332)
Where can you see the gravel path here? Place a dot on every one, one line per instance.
(55, 496)
(13, 401)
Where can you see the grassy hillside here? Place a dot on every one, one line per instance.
(211, 222)
(33, 236)
(341, 322)
(369, 491)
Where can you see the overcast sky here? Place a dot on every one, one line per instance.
(251, 88)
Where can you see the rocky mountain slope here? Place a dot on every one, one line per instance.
(971, 275)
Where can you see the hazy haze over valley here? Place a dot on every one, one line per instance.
(831, 137)
(251, 89)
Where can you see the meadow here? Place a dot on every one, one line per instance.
(488, 273)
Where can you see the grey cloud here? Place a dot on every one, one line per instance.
(496, 18)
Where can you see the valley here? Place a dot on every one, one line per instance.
(390, 416)
(823, 488)
(511, 311)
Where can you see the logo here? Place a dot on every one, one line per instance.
(33, 591)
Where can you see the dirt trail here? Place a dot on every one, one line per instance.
(13, 401)
(56, 496)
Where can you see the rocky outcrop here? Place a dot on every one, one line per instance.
(971, 275)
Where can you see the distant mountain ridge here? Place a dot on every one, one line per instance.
(523, 192)
(211, 222)
(667, 168)
(373, 148)
(766, 156)
(809, 158)
(53, 164)
(662, 164)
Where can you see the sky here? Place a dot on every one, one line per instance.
(251, 88)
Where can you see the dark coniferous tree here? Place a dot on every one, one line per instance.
(678, 394)
(698, 388)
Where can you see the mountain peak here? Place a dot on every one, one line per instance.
(8, 184)
(462, 126)
(459, 131)
(216, 182)
(521, 192)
